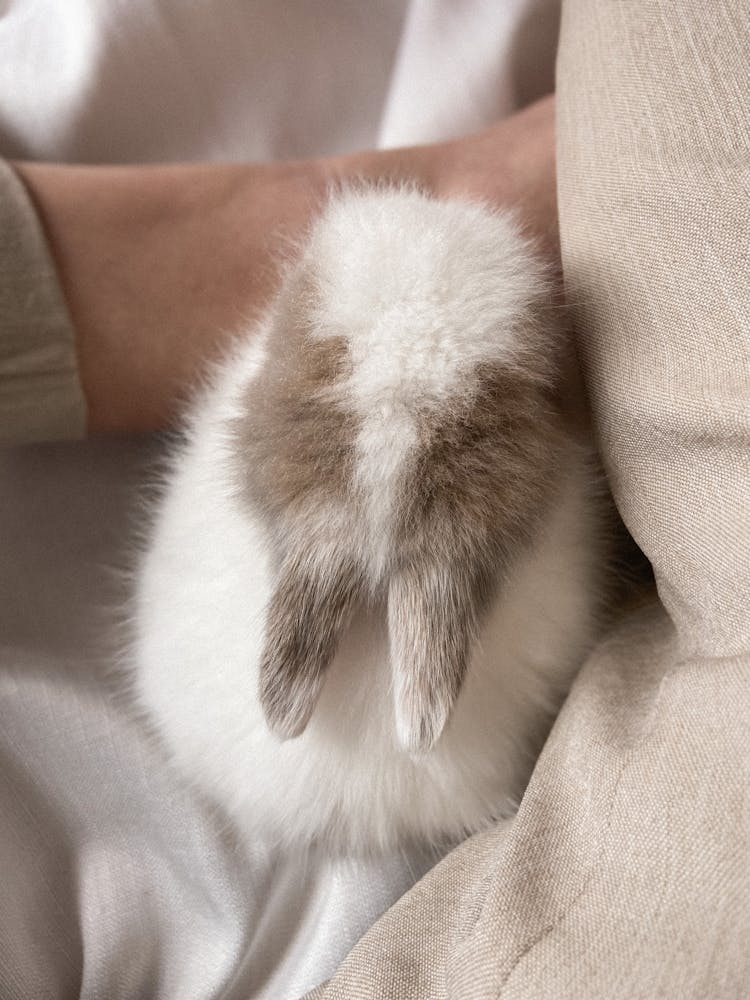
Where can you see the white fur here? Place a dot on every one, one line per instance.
(432, 289)
(207, 573)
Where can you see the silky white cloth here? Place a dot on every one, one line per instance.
(117, 882)
(109, 81)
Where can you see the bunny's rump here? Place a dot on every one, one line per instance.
(401, 441)
(390, 454)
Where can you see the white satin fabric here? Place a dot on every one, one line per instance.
(115, 881)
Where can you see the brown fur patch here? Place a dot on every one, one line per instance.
(470, 501)
(295, 446)
(311, 605)
(432, 611)
(294, 450)
(471, 504)
(482, 477)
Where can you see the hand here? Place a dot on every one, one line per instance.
(510, 165)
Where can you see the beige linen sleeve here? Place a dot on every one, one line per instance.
(40, 392)
(626, 873)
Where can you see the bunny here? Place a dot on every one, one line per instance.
(378, 559)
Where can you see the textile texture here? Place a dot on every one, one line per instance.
(626, 873)
(40, 393)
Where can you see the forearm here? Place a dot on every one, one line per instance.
(161, 265)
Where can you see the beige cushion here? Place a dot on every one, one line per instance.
(627, 871)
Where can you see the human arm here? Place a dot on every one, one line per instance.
(161, 265)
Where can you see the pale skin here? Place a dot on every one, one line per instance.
(162, 265)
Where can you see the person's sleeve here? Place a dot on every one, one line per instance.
(40, 391)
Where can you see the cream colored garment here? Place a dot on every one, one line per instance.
(626, 874)
(40, 392)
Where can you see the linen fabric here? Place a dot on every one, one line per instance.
(626, 873)
(40, 392)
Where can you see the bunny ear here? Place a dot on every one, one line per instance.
(432, 617)
(307, 613)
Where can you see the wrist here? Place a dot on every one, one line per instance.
(160, 266)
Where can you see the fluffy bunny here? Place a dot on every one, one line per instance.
(377, 562)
